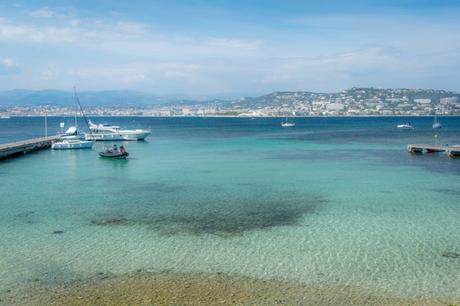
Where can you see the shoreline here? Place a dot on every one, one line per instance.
(165, 288)
(232, 116)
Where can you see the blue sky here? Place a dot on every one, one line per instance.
(229, 47)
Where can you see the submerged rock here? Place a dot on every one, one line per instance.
(451, 255)
(109, 221)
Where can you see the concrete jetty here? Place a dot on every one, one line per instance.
(452, 151)
(425, 148)
(18, 148)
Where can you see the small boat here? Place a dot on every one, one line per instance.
(5, 117)
(436, 123)
(286, 123)
(405, 126)
(114, 152)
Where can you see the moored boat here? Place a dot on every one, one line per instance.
(72, 144)
(72, 139)
(107, 132)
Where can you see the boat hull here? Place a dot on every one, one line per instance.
(117, 155)
(72, 145)
(405, 127)
(104, 137)
(122, 135)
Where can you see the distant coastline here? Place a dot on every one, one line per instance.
(350, 102)
(229, 116)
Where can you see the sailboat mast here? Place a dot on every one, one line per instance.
(81, 110)
(76, 109)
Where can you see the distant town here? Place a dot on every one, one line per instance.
(351, 102)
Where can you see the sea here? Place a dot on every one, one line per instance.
(332, 201)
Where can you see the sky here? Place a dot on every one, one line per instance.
(229, 48)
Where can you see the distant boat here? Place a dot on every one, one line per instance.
(436, 123)
(286, 123)
(5, 117)
(405, 126)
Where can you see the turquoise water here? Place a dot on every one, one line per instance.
(333, 201)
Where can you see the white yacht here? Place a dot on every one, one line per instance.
(71, 144)
(405, 126)
(102, 132)
(72, 140)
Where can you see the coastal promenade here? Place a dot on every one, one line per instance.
(19, 148)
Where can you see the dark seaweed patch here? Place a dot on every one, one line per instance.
(227, 219)
(25, 214)
(451, 255)
(162, 187)
(314, 155)
(449, 191)
(153, 187)
(27, 217)
(230, 223)
(109, 221)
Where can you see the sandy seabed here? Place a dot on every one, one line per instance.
(144, 288)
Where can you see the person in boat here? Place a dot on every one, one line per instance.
(114, 148)
(122, 149)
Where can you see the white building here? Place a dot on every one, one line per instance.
(422, 101)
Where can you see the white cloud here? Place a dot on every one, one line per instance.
(42, 12)
(50, 73)
(8, 66)
(116, 74)
(318, 53)
(73, 31)
(235, 43)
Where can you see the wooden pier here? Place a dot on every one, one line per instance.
(18, 148)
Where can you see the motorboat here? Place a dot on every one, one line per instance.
(72, 140)
(107, 132)
(405, 126)
(72, 144)
(114, 152)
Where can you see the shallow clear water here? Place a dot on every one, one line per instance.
(334, 201)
